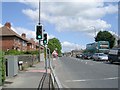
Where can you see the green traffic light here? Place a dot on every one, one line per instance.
(39, 36)
(45, 41)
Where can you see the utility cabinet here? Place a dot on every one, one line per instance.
(11, 66)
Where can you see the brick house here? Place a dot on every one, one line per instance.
(31, 45)
(11, 40)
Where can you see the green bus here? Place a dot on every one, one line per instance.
(100, 46)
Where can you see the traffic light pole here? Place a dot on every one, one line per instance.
(39, 50)
(39, 24)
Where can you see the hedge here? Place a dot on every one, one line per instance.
(15, 52)
(2, 66)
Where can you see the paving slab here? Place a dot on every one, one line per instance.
(27, 79)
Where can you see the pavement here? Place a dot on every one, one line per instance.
(34, 77)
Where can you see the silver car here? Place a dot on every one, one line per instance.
(100, 57)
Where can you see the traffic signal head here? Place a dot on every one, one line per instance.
(45, 39)
(39, 32)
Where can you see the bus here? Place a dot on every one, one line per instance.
(100, 46)
(103, 46)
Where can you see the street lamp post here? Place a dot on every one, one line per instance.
(39, 40)
(94, 30)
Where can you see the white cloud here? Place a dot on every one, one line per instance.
(20, 30)
(115, 34)
(51, 36)
(32, 14)
(29, 33)
(1, 25)
(111, 9)
(73, 16)
(68, 46)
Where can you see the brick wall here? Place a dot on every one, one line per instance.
(18, 44)
(28, 60)
(12, 43)
(7, 42)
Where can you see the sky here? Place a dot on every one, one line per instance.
(75, 23)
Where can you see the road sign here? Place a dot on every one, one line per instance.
(55, 54)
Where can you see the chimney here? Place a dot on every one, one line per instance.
(23, 35)
(8, 25)
(32, 39)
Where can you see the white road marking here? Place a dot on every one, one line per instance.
(112, 78)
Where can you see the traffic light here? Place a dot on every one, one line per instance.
(45, 39)
(39, 32)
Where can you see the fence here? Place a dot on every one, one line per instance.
(28, 60)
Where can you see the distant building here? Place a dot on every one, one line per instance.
(11, 40)
(31, 45)
(67, 54)
(119, 43)
(75, 52)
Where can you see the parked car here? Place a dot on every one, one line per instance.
(100, 57)
(87, 56)
(79, 55)
(114, 55)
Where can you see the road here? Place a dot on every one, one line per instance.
(78, 73)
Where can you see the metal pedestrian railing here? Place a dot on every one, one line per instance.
(55, 81)
(49, 80)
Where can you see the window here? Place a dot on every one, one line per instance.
(24, 43)
(103, 44)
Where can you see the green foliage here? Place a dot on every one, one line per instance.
(15, 52)
(2, 66)
(105, 36)
(53, 44)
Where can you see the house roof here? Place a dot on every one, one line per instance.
(5, 31)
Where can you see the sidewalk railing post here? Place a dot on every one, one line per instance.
(48, 57)
(45, 56)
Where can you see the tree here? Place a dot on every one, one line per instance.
(105, 36)
(53, 44)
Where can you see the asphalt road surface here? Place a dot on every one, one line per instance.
(78, 73)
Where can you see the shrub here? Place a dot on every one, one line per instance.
(13, 52)
(2, 66)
